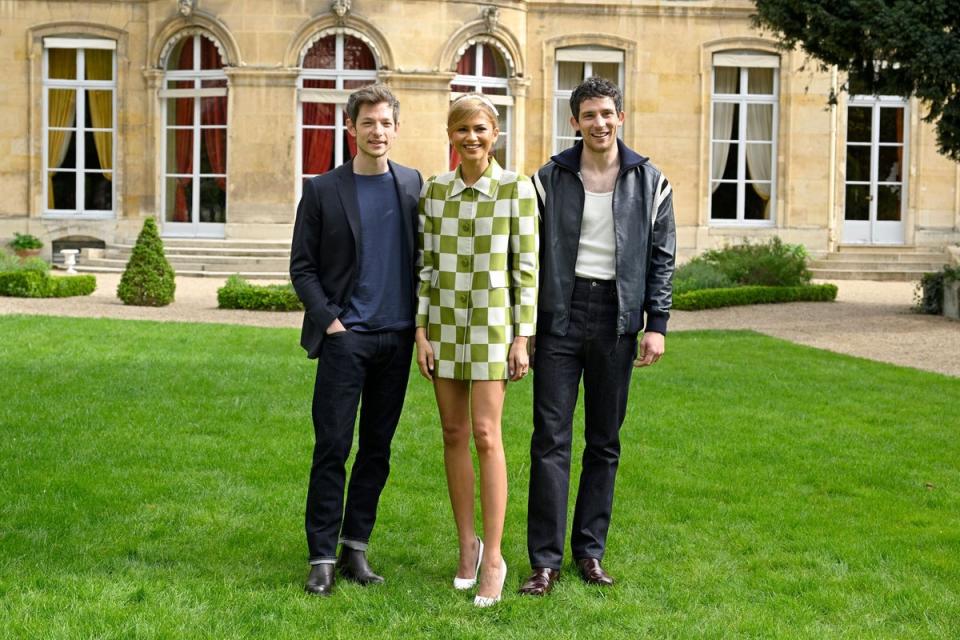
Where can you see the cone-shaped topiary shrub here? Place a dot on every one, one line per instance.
(148, 278)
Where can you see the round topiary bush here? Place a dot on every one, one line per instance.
(148, 278)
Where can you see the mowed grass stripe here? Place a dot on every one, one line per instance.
(152, 478)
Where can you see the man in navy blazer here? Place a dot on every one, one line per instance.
(353, 264)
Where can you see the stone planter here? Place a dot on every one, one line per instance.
(23, 254)
(951, 299)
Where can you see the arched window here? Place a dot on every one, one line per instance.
(330, 69)
(195, 140)
(482, 68)
(79, 101)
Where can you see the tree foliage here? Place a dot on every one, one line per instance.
(892, 47)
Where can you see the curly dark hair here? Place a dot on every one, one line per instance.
(595, 87)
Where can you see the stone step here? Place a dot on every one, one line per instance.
(274, 262)
(125, 250)
(212, 243)
(866, 274)
(873, 256)
(249, 275)
(198, 263)
(870, 265)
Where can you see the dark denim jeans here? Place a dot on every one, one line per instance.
(591, 349)
(369, 370)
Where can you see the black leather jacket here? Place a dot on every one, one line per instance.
(645, 233)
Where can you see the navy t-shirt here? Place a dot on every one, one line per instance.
(382, 299)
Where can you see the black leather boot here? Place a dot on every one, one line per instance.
(353, 566)
(321, 579)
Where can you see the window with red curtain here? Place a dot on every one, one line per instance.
(337, 61)
(483, 69)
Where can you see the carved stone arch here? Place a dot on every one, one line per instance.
(199, 22)
(72, 28)
(327, 24)
(478, 31)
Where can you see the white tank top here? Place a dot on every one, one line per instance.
(596, 256)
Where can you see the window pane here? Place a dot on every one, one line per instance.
(99, 63)
(891, 125)
(322, 55)
(356, 84)
(181, 56)
(209, 55)
(891, 164)
(60, 150)
(467, 64)
(726, 120)
(495, 91)
(500, 151)
(760, 122)
(98, 192)
(62, 64)
(858, 124)
(888, 203)
(759, 161)
(723, 202)
(726, 79)
(725, 161)
(858, 163)
(461, 88)
(214, 84)
(99, 150)
(319, 84)
(180, 84)
(608, 70)
(760, 81)
(100, 109)
(179, 196)
(569, 75)
(356, 54)
(563, 127)
(213, 200)
(317, 150)
(213, 111)
(493, 63)
(63, 185)
(180, 151)
(858, 202)
(318, 113)
(62, 107)
(213, 151)
(756, 205)
(180, 112)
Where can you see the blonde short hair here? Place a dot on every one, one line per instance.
(467, 106)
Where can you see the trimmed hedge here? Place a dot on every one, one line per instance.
(148, 280)
(237, 293)
(39, 284)
(715, 298)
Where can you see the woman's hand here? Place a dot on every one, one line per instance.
(518, 361)
(424, 354)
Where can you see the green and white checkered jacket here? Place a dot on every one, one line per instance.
(478, 270)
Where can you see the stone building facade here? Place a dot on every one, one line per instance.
(207, 114)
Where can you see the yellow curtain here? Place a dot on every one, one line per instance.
(99, 66)
(61, 107)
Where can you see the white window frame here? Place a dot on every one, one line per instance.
(197, 76)
(337, 96)
(79, 131)
(478, 82)
(745, 62)
(588, 55)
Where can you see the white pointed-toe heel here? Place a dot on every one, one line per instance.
(462, 584)
(482, 601)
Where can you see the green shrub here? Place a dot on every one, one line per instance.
(10, 262)
(148, 280)
(237, 293)
(699, 274)
(715, 298)
(29, 283)
(772, 264)
(25, 242)
(928, 294)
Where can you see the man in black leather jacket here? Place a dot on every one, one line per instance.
(607, 246)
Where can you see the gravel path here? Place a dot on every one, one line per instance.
(869, 319)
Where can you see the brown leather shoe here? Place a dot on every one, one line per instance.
(540, 581)
(593, 573)
(321, 580)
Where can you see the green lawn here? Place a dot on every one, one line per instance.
(152, 479)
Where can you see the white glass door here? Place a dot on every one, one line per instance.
(875, 182)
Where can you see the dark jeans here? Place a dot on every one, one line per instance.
(354, 368)
(591, 349)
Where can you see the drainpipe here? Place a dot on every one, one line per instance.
(832, 174)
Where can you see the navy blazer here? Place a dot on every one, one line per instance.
(326, 243)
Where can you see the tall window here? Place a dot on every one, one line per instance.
(483, 69)
(574, 65)
(331, 68)
(195, 171)
(79, 103)
(743, 136)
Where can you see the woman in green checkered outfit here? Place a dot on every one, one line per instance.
(477, 307)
